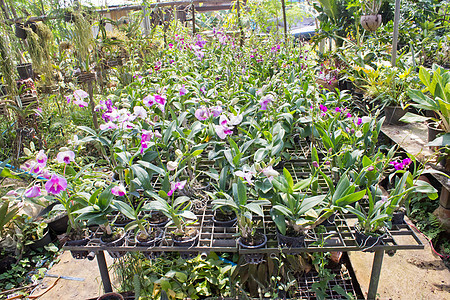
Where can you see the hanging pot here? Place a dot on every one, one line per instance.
(20, 31)
(393, 114)
(371, 22)
(25, 71)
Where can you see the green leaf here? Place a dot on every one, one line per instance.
(279, 220)
(346, 200)
(125, 209)
(264, 185)
(441, 141)
(188, 215)
(413, 118)
(260, 154)
(255, 208)
(241, 192)
(309, 203)
(289, 179)
(152, 167)
(182, 277)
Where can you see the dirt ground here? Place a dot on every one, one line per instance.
(90, 287)
(409, 274)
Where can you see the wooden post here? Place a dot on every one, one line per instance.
(395, 37)
(193, 18)
(91, 104)
(241, 31)
(283, 6)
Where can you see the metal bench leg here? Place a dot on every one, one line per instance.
(375, 276)
(104, 271)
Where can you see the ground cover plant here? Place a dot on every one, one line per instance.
(174, 122)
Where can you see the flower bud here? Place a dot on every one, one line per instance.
(179, 153)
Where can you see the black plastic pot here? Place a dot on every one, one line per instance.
(117, 243)
(78, 254)
(44, 241)
(290, 241)
(163, 222)
(151, 243)
(20, 31)
(433, 131)
(329, 221)
(253, 258)
(111, 296)
(366, 242)
(187, 243)
(229, 223)
(25, 71)
(398, 218)
(393, 114)
(59, 223)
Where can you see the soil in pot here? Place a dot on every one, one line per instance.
(151, 238)
(258, 240)
(292, 239)
(393, 114)
(224, 218)
(157, 219)
(121, 220)
(188, 238)
(116, 238)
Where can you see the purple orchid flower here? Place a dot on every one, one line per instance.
(65, 157)
(176, 186)
(33, 192)
(56, 185)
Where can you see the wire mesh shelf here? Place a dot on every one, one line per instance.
(339, 236)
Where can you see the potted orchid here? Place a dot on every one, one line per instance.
(177, 210)
(245, 209)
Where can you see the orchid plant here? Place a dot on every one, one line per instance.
(242, 206)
